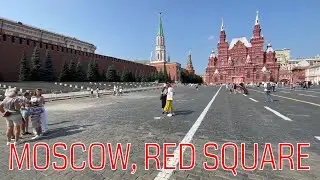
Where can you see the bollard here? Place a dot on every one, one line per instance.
(5, 86)
(95, 83)
(81, 87)
(55, 83)
(65, 84)
(76, 86)
(0, 85)
(88, 89)
(100, 84)
(104, 84)
(21, 90)
(70, 85)
(9, 87)
(61, 84)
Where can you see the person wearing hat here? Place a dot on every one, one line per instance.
(35, 112)
(10, 108)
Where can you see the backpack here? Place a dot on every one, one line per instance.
(268, 86)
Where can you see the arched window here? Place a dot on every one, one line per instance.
(264, 78)
(221, 77)
(214, 63)
(248, 74)
(158, 56)
(257, 76)
(215, 79)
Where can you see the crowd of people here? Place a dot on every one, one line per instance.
(20, 110)
(236, 87)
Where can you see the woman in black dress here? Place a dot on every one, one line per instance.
(163, 97)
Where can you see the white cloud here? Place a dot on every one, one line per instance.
(210, 38)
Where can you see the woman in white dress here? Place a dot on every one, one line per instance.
(44, 122)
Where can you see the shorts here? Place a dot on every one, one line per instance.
(25, 113)
(35, 123)
(14, 120)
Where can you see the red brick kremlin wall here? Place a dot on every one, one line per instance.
(12, 48)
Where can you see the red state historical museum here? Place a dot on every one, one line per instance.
(241, 60)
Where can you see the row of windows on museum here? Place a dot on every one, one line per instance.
(248, 76)
(62, 49)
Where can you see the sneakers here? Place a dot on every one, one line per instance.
(8, 143)
(16, 142)
(36, 137)
(169, 115)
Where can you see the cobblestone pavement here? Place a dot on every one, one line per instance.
(136, 118)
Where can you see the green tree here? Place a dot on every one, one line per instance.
(91, 74)
(103, 76)
(36, 69)
(111, 74)
(64, 74)
(96, 71)
(72, 70)
(80, 74)
(125, 76)
(48, 72)
(24, 74)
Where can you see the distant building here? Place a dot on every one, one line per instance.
(189, 67)
(160, 61)
(17, 38)
(283, 56)
(313, 74)
(242, 60)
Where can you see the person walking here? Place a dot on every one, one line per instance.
(10, 108)
(25, 104)
(163, 97)
(267, 90)
(114, 90)
(35, 112)
(169, 107)
(97, 91)
(44, 122)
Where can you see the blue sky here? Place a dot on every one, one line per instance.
(127, 28)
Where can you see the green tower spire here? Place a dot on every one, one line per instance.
(160, 32)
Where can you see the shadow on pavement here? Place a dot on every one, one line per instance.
(183, 112)
(61, 132)
(59, 123)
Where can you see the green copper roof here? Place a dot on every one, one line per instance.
(160, 32)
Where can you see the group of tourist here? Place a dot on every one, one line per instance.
(117, 91)
(166, 98)
(18, 111)
(234, 88)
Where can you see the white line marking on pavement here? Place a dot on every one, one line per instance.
(307, 95)
(157, 117)
(165, 174)
(253, 100)
(305, 115)
(278, 114)
(244, 94)
(317, 137)
(285, 91)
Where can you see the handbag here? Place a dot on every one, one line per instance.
(6, 114)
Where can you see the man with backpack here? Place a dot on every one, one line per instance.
(267, 89)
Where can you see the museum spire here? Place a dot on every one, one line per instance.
(222, 26)
(257, 22)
